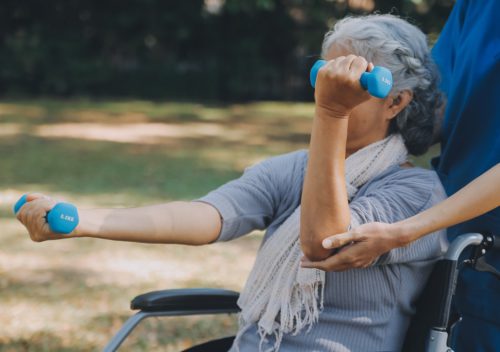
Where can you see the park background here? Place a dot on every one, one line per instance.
(127, 103)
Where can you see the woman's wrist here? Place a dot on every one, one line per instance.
(86, 224)
(332, 112)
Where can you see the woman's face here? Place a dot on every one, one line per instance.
(369, 121)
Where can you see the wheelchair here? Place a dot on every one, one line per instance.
(429, 329)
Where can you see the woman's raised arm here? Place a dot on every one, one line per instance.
(324, 204)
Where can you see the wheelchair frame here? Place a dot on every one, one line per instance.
(429, 329)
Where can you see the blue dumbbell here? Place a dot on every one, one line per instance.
(62, 218)
(378, 82)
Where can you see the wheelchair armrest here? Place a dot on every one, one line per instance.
(191, 299)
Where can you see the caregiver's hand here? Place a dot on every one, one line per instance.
(359, 248)
(32, 216)
(338, 90)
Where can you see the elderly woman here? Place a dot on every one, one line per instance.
(355, 171)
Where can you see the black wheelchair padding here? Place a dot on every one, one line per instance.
(219, 345)
(194, 299)
(435, 300)
(433, 305)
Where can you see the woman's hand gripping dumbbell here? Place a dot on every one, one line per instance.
(378, 82)
(44, 218)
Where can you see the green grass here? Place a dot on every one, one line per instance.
(101, 167)
(73, 295)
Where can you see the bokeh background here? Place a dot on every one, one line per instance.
(126, 103)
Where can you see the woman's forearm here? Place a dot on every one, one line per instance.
(475, 199)
(193, 223)
(324, 205)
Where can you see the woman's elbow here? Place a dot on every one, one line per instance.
(312, 247)
(315, 251)
(311, 242)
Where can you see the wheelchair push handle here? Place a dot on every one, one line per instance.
(62, 218)
(378, 82)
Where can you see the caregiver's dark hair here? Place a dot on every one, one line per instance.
(392, 42)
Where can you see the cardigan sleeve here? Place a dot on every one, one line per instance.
(254, 200)
(400, 195)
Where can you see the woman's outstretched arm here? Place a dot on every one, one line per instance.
(374, 239)
(193, 223)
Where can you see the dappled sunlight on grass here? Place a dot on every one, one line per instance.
(95, 167)
(143, 133)
(129, 111)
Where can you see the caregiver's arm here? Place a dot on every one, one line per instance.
(374, 239)
(324, 205)
(475, 199)
(192, 223)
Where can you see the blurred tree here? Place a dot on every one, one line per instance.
(197, 49)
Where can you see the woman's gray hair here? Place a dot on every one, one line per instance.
(392, 42)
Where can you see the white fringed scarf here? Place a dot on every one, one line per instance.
(279, 295)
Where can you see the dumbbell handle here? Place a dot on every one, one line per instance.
(378, 82)
(62, 218)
